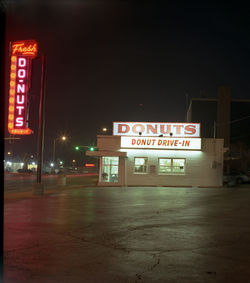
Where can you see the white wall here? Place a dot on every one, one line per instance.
(200, 166)
(203, 168)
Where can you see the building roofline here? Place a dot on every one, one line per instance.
(216, 99)
(204, 99)
(240, 100)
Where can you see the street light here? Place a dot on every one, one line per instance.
(104, 131)
(63, 138)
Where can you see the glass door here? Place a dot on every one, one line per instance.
(110, 167)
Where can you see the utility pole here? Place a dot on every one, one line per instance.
(38, 188)
(214, 129)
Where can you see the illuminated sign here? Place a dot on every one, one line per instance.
(89, 165)
(150, 129)
(161, 143)
(22, 52)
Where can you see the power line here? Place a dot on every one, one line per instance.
(246, 117)
(234, 121)
(238, 137)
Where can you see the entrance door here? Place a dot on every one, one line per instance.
(110, 169)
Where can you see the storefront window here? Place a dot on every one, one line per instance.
(171, 166)
(140, 165)
(110, 166)
(178, 165)
(165, 165)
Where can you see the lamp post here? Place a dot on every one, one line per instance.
(63, 138)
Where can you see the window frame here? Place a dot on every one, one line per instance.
(146, 171)
(172, 166)
(110, 168)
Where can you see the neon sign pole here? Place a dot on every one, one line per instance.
(40, 143)
(22, 53)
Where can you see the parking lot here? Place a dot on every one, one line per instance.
(129, 234)
(18, 182)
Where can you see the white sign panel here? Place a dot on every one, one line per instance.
(161, 143)
(150, 129)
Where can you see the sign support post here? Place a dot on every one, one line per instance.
(38, 188)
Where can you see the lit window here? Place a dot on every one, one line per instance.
(178, 165)
(165, 165)
(171, 166)
(110, 166)
(140, 165)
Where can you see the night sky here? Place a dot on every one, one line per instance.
(126, 61)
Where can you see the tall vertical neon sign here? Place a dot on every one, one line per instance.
(22, 52)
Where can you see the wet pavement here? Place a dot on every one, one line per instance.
(23, 182)
(148, 234)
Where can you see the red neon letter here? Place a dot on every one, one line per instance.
(190, 130)
(141, 128)
(167, 131)
(123, 128)
(178, 129)
(152, 129)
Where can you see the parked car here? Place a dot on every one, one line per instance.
(236, 178)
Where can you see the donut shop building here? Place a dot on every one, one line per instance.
(158, 154)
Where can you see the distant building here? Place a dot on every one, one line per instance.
(225, 118)
(14, 167)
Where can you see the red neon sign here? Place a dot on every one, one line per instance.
(24, 47)
(89, 165)
(22, 52)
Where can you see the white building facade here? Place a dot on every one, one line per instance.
(158, 154)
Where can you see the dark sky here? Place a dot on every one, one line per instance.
(127, 61)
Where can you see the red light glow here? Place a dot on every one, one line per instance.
(24, 47)
(21, 55)
(89, 165)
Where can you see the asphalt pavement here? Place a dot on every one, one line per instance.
(23, 182)
(128, 234)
